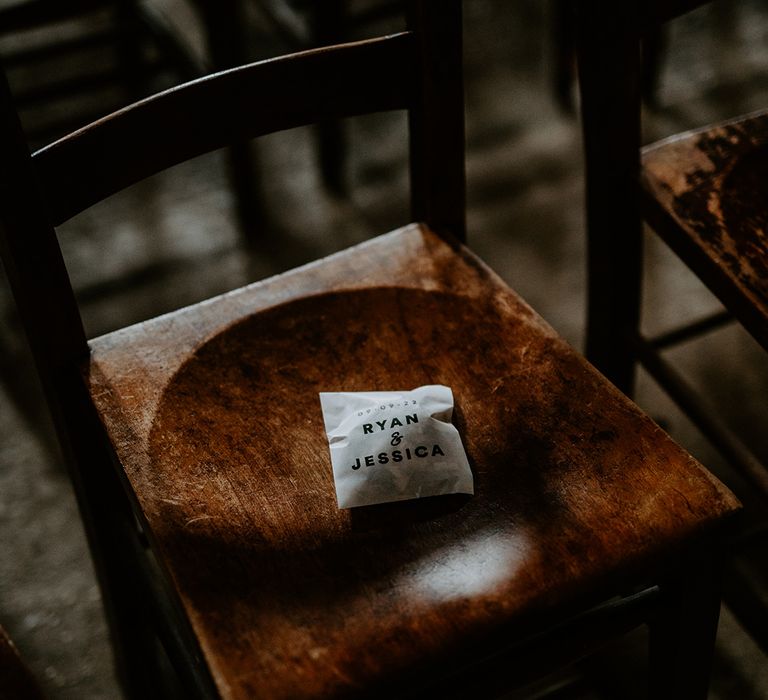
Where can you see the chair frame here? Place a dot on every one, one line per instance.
(43, 190)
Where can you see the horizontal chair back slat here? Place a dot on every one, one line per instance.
(206, 114)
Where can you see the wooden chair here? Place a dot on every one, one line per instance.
(703, 193)
(199, 457)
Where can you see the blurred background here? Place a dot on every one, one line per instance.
(179, 238)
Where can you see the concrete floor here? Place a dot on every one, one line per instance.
(525, 218)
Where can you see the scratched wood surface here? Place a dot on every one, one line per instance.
(706, 193)
(215, 414)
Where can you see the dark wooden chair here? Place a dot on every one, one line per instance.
(16, 681)
(703, 193)
(201, 465)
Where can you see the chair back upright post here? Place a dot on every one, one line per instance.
(436, 119)
(32, 256)
(608, 38)
(51, 319)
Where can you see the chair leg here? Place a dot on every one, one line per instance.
(609, 68)
(682, 635)
(129, 47)
(332, 154)
(654, 50)
(141, 665)
(155, 656)
(563, 51)
(134, 642)
(227, 43)
(244, 177)
(135, 652)
(111, 532)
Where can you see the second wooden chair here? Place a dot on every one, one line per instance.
(703, 193)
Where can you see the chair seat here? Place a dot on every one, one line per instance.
(707, 196)
(215, 416)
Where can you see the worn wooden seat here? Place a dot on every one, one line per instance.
(706, 197)
(215, 416)
(199, 459)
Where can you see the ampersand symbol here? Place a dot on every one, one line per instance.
(396, 439)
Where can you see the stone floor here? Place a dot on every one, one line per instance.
(525, 218)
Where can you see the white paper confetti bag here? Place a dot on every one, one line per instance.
(394, 445)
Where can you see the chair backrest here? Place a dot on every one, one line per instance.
(418, 70)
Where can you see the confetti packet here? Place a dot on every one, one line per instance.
(394, 445)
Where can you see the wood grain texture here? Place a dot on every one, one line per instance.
(705, 194)
(216, 420)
